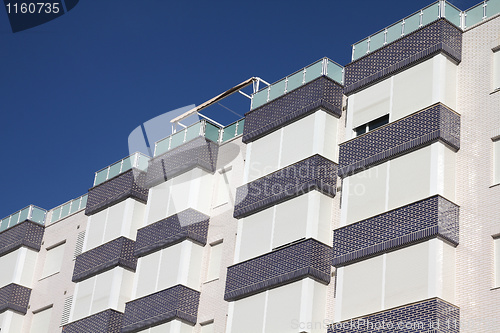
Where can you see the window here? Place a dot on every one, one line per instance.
(53, 259)
(496, 161)
(497, 261)
(215, 261)
(372, 125)
(41, 320)
(496, 68)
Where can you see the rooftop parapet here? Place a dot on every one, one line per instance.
(204, 128)
(295, 80)
(30, 213)
(136, 160)
(433, 12)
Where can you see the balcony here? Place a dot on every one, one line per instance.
(14, 297)
(30, 213)
(304, 259)
(434, 217)
(203, 128)
(293, 81)
(433, 12)
(136, 160)
(313, 173)
(178, 302)
(435, 123)
(116, 253)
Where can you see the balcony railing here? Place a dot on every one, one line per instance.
(202, 128)
(407, 25)
(32, 213)
(136, 160)
(429, 14)
(68, 208)
(480, 12)
(321, 67)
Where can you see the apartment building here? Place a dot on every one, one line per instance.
(349, 199)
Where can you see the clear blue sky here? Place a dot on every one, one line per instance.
(72, 90)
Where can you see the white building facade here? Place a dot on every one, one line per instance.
(349, 199)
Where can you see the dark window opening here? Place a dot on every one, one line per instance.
(372, 125)
(378, 122)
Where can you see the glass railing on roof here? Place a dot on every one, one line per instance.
(480, 12)
(321, 67)
(204, 128)
(136, 160)
(407, 25)
(68, 208)
(32, 213)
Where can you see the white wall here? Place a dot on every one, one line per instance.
(41, 321)
(21, 264)
(160, 270)
(497, 261)
(108, 290)
(191, 189)
(53, 259)
(11, 322)
(314, 134)
(121, 219)
(292, 308)
(396, 278)
(404, 93)
(174, 326)
(306, 216)
(414, 176)
(496, 70)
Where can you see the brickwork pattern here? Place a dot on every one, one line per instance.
(308, 258)
(199, 152)
(178, 302)
(433, 315)
(478, 198)
(108, 321)
(169, 231)
(438, 37)
(321, 93)
(313, 173)
(436, 123)
(27, 233)
(129, 184)
(416, 222)
(118, 252)
(14, 297)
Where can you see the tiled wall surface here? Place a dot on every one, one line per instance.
(432, 217)
(119, 252)
(437, 37)
(321, 93)
(170, 231)
(14, 297)
(178, 302)
(437, 123)
(109, 321)
(313, 173)
(199, 152)
(129, 184)
(432, 315)
(308, 258)
(28, 234)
